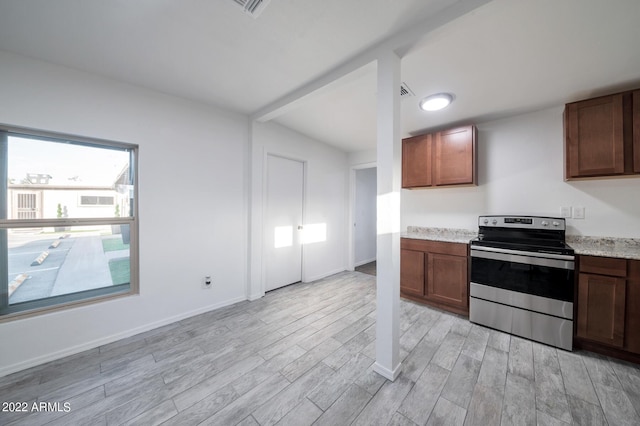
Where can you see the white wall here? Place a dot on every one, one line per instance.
(365, 216)
(192, 204)
(520, 164)
(325, 199)
(362, 157)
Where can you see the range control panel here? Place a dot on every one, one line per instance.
(522, 222)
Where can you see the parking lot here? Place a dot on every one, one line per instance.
(75, 262)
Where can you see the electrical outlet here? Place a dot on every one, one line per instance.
(206, 282)
(578, 212)
(565, 211)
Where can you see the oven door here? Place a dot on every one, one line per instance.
(527, 294)
(545, 275)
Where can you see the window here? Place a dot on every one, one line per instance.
(96, 200)
(68, 228)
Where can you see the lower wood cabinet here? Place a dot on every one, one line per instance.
(447, 280)
(608, 306)
(412, 272)
(632, 314)
(435, 273)
(601, 302)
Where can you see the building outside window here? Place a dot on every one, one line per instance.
(68, 225)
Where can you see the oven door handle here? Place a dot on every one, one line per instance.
(540, 259)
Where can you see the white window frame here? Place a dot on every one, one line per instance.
(55, 303)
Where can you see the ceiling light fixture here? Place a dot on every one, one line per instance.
(436, 102)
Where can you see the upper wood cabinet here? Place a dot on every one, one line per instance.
(416, 161)
(594, 137)
(455, 156)
(444, 158)
(602, 136)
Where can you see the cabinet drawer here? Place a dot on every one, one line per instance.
(603, 266)
(442, 247)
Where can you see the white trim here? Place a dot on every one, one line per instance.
(364, 262)
(10, 369)
(351, 243)
(386, 373)
(247, 206)
(323, 275)
(265, 176)
(255, 296)
(255, 285)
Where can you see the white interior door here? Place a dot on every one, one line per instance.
(283, 221)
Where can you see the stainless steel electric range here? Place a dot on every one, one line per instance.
(522, 278)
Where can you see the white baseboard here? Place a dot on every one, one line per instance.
(364, 262)
(33, 362)
(323, 275)
(386, 373)
(256, 296)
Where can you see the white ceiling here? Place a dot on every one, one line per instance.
(503, 58)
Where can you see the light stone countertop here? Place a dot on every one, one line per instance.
(449, 235)
(623, 248)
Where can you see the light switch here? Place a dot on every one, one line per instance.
(578, 212)
(565, 211)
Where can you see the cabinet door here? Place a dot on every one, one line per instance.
(455, 156)
(601, 308)
(594, 137)
(447, 279)
(632, 324)
(412, 272)
(416, 161)
(636, 131)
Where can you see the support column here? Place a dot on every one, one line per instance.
(388, 243)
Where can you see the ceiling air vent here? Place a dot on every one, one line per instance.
(252, 7)
(405, 92)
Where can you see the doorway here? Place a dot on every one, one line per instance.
(27, 205)
(283, 221)
(364, 220)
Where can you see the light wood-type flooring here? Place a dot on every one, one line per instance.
(303, 355)
(368, 268)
